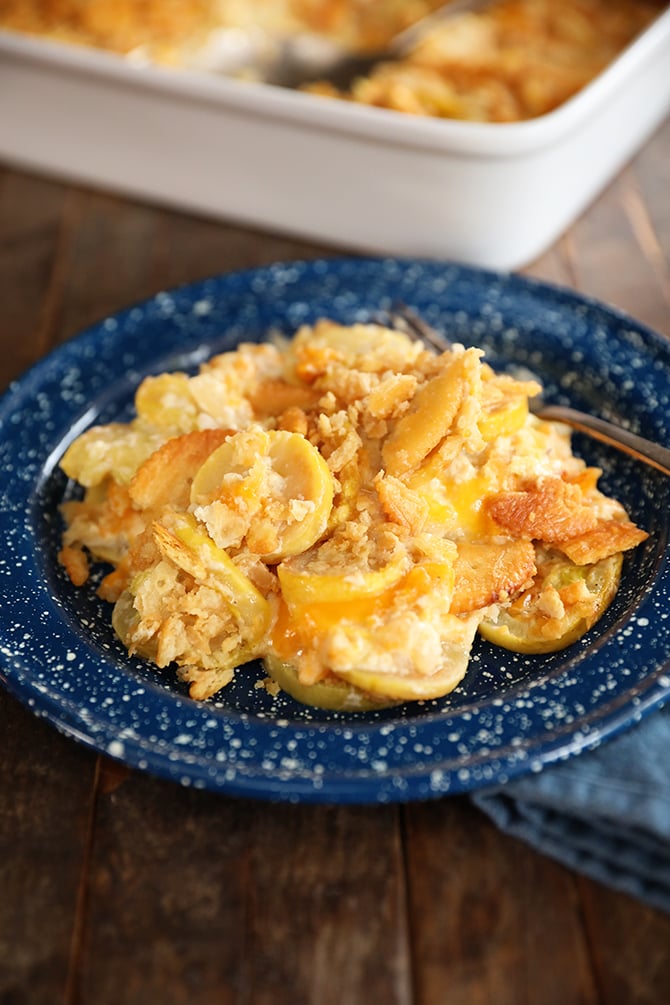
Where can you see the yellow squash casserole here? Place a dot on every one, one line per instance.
(349, 507)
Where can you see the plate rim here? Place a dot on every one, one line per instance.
(376, 787)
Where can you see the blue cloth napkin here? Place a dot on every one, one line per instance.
(605, 812)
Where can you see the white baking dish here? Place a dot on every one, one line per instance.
(346, 175)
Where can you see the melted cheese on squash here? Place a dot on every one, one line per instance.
(348, 505)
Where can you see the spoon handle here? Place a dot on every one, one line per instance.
(643, 450)
(417, 31)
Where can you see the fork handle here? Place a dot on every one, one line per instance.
(643, 450)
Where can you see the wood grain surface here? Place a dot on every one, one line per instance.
(120, 889)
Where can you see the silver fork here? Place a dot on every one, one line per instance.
(405, 319)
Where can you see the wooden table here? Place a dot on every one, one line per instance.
(120, 889)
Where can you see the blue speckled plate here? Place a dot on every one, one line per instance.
(511, 715)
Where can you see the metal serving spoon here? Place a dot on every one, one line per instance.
(290, 61)
(653, 454)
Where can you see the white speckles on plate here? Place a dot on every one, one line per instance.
(512, 714)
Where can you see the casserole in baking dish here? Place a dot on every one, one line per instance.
(339, 172)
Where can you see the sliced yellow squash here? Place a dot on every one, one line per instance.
(280, 479)
(165, 401)
(125, 619)
(563, 603)
(302, 584)
(422, 687)
(331, 693)
(113, 451)
(190, 547)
